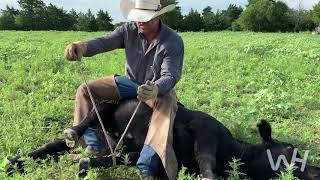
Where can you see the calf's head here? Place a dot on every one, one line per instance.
(275, 156)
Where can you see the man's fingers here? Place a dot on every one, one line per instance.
(149, 83)
(141, 89)
(75, 51)
(77, 54)
(67, 53)
(147, 87)
(72, 51)
(146, 92)
(142, 98)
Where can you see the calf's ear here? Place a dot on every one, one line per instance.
(265, 131)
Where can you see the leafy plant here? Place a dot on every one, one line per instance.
(234, 173)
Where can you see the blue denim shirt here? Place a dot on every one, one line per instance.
(165, 54)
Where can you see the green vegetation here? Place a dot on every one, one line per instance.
(237, 77)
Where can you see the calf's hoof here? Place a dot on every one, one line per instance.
(71, 137)
(210, 177)
(84, 165)
(14, 164)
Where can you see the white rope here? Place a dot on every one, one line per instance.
(114, 162)
(113, 152)
(134, 114)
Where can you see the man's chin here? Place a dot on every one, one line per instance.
(144, 31)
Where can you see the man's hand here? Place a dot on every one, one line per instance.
(75, 51)
(147, 91)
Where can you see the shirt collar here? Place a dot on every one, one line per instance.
(163, 31)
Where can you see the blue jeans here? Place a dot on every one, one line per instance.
(91, 138)
(149, 160)
(127, 89)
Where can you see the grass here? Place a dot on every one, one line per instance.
(238, 77)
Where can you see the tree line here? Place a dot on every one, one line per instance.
(36, 15)
(258, 15)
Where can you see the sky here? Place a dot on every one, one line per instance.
(112, 6)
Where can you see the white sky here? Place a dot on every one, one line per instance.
(112, 6)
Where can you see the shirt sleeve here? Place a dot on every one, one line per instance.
(114, 40)
(171, 69)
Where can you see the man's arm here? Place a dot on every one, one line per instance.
(114, 40)
(171, 69)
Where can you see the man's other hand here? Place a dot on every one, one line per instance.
(147, 91)
(75, 51)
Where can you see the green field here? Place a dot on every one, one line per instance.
(238, 77)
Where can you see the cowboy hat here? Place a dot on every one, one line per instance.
(143, 10)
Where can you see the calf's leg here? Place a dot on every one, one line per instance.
(52, 148)
(73, 134)
(55, 147)
(205, 154)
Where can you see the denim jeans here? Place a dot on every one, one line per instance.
(149, 160)
(91, 138)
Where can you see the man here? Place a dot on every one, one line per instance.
(147, 42)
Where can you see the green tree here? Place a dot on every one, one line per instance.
(279, 20)
(193, 21)
(7, 18)
(209, 19)
(58, 19)
(87, 22)
(265, 15)
(174, 18)
(301, 20)
(316, 14)
(220, 21)
(32, 15)
(230, 15)
(104, 21)
(74, 19)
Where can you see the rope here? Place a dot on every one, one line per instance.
(134, 113)
(113, 152)
(114, 162)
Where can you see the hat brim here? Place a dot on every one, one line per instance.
(140, 15)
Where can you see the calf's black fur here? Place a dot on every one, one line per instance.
(201, 143)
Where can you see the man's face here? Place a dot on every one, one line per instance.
(148, 27)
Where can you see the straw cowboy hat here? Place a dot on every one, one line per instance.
(143, 10)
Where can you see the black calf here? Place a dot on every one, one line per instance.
(201, 143)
